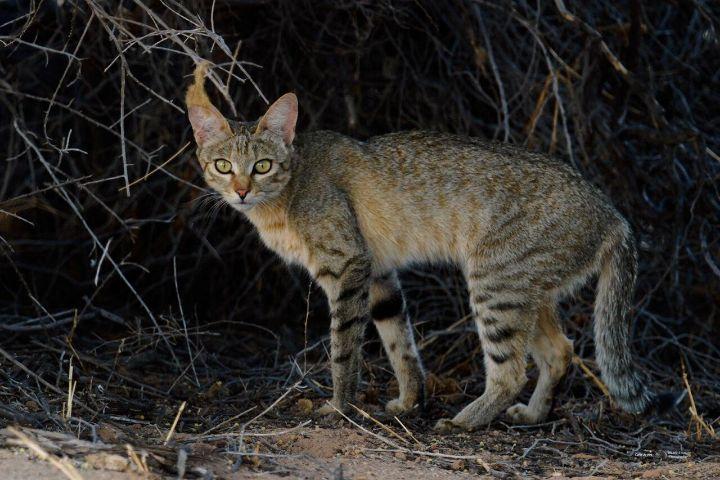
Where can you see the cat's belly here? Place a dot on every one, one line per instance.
(400, 237)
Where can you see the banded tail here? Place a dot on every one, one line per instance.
(616, 285)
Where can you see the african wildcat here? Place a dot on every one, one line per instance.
(525, 229)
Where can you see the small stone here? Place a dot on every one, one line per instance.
(214, 390)
(458, 465)
(202, 449)
(401, 456)
(654, 473)
(107, 461)
(109, 433)
(584, 456)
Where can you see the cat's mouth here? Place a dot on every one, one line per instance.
(245, 204)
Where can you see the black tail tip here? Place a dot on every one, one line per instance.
(664, 402)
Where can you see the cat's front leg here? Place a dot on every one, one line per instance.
(346, 282)
(341, 263)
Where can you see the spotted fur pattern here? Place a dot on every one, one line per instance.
(525, 228)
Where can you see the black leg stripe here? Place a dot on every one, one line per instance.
(342, 358)
(350, 292)
(488, 321)
(503, 287)
(351, 261)
(481, 298)
(477, 275)
(348, 324)
(500, 334)
(327, 272)
(499, 358)
(505, 306)
(330, 251)
(388, 307)
(384, 277)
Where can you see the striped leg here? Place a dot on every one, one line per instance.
(346, 282)
(341, 264)
(504, 319)
(552, 351)
(388, 311)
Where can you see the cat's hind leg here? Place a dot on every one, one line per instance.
(505, 317)
(552, 352)
(387, 309)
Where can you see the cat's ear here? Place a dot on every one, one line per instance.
(281, 118)
(208, 124)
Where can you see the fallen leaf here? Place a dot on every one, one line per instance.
(304, 406)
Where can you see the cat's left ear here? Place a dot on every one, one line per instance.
(281, 118)
(208, 124)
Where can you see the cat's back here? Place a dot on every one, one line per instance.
(488, 176)
(471, 166)
(452, 152)
(428, 196)
(420, 152)
(456, 167)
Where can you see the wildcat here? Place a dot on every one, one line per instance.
(525, 229)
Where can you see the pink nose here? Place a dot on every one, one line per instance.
(242, 192)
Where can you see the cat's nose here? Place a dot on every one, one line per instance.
(242, 192)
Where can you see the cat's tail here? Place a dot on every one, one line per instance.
(616, 285)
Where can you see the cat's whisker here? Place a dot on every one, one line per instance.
(214, 210)
(203, 199)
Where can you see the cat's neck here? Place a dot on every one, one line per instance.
(268, 213)
(272, 222)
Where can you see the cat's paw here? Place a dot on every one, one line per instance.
(398, 407)
(522, 414)
(446, 425)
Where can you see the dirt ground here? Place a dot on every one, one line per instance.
(135, 416)
(306, 448)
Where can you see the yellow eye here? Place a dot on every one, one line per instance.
(262, 166)
(223, 166)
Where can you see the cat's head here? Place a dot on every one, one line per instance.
(245, 164)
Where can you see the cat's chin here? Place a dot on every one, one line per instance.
(243, 207)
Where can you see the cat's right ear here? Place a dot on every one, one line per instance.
(208, 124)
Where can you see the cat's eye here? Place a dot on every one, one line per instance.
(262, 166)
(223, 166)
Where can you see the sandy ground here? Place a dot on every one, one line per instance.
(345, 452)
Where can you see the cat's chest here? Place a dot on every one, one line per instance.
(283, 239)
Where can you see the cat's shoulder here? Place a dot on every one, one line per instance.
(319, 140)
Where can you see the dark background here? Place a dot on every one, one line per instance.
(91, 99)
